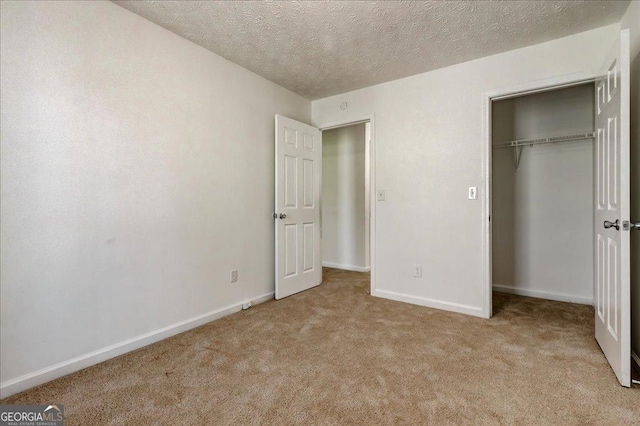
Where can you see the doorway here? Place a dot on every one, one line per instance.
(370, 171)
(542, 194)
(298, 193)
(515, 155)
(345, 201)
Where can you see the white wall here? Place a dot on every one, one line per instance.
(344, 210)
(542, 215)
(427, 137)
(137, 170)
(631, 20)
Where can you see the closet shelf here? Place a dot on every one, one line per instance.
(540, 141)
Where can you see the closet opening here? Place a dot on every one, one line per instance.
(542, 196)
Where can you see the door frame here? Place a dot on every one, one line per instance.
(370, 118)
(488, 97)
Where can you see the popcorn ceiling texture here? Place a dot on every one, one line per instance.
(318, 49)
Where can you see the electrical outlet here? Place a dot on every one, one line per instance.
(417, 271)
(380, 194)
(233, 276)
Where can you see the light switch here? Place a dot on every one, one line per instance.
(380, 194)
(473, 192)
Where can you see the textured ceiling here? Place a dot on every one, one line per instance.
(318, 49)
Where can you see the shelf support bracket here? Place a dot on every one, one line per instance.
(517, 155)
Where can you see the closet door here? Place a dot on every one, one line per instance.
(612, 252)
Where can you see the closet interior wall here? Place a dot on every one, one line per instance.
(542, 213)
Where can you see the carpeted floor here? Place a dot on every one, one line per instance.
(334, 354)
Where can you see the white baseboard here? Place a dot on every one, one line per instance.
(636, 358)
(346, 267)
(45, 375)
(430, 303)
(544, 295)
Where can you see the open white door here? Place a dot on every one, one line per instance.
(297, 213)
(612, 251)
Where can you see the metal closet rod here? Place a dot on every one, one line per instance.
(541, 141)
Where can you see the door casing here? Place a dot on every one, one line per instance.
(486, 166)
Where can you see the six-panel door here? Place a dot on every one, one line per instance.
(612, 253)
(298, 178)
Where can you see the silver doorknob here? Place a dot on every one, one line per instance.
(635, 226)
(283, 216)
(608, 224)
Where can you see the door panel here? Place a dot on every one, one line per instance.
(298, 149)
(290, 250)
(290, 181)
(308, 178)
(600, 277)
(612, 253)
(309, 247)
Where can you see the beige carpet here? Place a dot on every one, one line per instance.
(334, 354)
